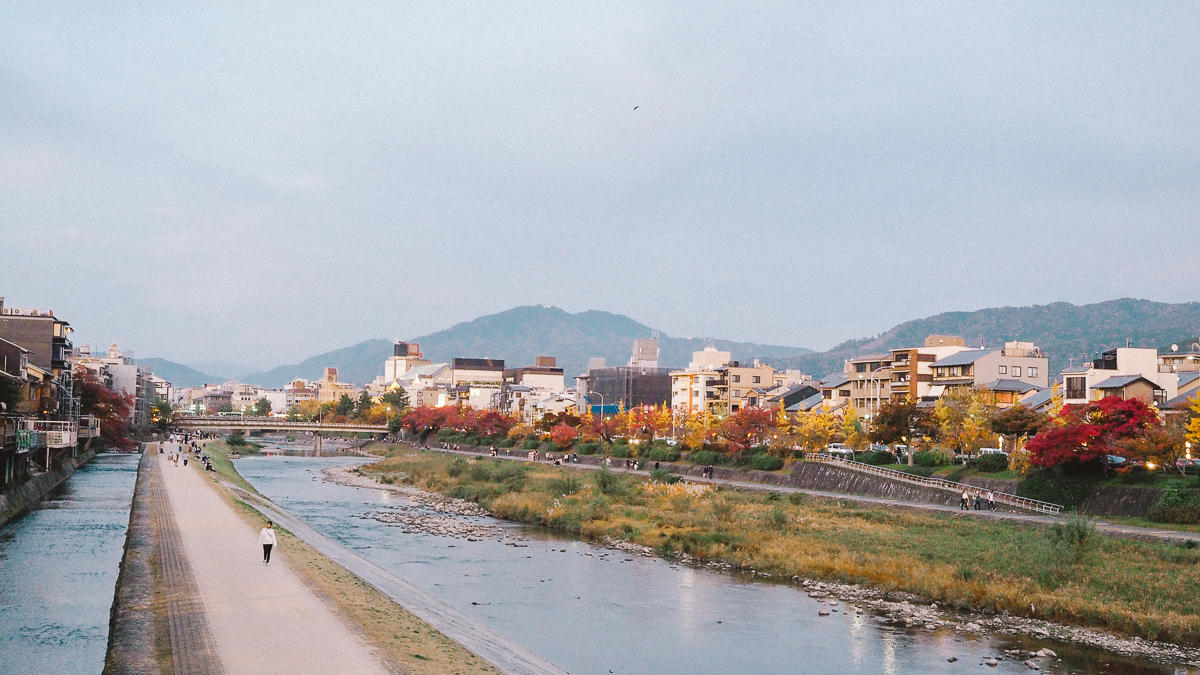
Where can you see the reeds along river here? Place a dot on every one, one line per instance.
(58, 571)
(590, 609)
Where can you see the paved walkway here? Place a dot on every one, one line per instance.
(1114, 529)
(506, 655)
(263, 618)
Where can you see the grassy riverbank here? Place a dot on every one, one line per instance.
(403, 642)
(1146, 589)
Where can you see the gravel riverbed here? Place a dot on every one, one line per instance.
(454, 518)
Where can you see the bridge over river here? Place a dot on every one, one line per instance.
(244, 423)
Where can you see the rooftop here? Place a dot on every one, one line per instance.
(963, 358)
(1011, 385)
(1122, 381)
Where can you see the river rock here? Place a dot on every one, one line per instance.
(823, 612)
(991, 662)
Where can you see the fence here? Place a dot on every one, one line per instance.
(938, 483)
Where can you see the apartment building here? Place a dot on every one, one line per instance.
(1016, 366)
(1110, 375)
(693, 388)
(869, 380)
(526, 388)
(329, 390)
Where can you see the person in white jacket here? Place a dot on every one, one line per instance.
(267, 539)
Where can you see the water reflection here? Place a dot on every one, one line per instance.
(593, 610)
(58, 570)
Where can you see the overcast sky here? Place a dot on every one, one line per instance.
(263, 181)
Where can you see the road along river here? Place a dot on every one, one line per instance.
(590, 609)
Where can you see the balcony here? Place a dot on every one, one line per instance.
(52, 434)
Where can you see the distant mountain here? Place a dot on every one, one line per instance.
(518, 336)
(358, 364)
(179, 374)
(225, 369)
(1066, 332)
(523, 333)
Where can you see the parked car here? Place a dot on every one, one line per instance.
(900, 451)
(839, 450)
(1188, 465)
(992, 451)
(1116, 460)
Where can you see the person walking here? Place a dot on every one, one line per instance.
(185, 460)
(991, 497)
(267, 538)
(978, 501)
(963, 501)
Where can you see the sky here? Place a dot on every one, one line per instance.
(259, 182)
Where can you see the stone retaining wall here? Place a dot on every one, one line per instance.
(14, 501)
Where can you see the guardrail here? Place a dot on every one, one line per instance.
(938, 483)
(273, 423)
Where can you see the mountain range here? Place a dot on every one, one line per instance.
(1068, 333)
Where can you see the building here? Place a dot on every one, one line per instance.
(609, 390)
(912, 371)
(715, 384)
(526, 387)
(1082, 383)
(298, 391)
(329, 390)
(1020, 362)
(120, 373)
(476, 382)
(405, 355)
(693, 389)
(869, 379)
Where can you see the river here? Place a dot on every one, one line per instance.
(592, 610)
(58, 571)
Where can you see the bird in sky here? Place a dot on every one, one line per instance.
(635, 107)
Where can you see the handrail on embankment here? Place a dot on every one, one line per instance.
(937, 483)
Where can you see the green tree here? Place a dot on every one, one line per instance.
(365, 402)
(1018, 422)
(226, 407)
(345, 406)
(262, 407)
(160, 414)
(397, 399)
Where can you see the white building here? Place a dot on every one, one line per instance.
(1090, 381)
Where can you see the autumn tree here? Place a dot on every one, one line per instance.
(564, 435)
(1016, 423)
(745, 428)
(1087, 433)
(963, 418)
(364, 404)
(815, 429)
(112, 409)
(900, 420)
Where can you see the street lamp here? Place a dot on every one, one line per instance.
(589, 400)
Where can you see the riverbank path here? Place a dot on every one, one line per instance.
(263, 618)
(1109, 528)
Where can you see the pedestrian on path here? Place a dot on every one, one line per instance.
(964, 501)
(267, 539)
(185, 460)
(991, 500)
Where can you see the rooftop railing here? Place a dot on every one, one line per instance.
(937, 483)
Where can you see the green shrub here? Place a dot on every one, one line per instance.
(662, 453)
(992, 463)
(530, 444)
(927, 458)
(608, 482)
(565, 485)
(1051, 486)
(706, 457)
(1177, 504)
(505, 443)
(957, 474)
(776, 519)
(588, 448)
(877, 458)
(620, 451)
(1077, 536)
(766, 463)
(797, 498)
(551, 447)
(923, 471)
(663, 476)
(457, 466)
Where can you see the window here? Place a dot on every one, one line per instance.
(753, 400)
(737, 378)
(695, 394)
(757, 379)
(860, 367)
(1032, 371)
(1076, 387)
(844, 392)
(737, 393)
(1016, 371)
(1003, 370)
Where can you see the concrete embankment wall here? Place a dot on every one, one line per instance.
(1109, 500)
(14, 501)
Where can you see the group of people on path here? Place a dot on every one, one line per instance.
(967, 499)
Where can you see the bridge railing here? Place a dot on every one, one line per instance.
(937, 483)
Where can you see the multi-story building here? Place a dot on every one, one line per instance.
(1091, 381)
(1017, 365)
(869, 380)
(296, 392)
(911, 371)
(476, 382)
(693, 389)
(526, 387)
(329, 390)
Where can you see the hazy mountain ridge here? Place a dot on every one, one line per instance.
(1065, 331)
(520, 334)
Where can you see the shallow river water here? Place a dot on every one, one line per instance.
(589, 609)
(58, 570)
